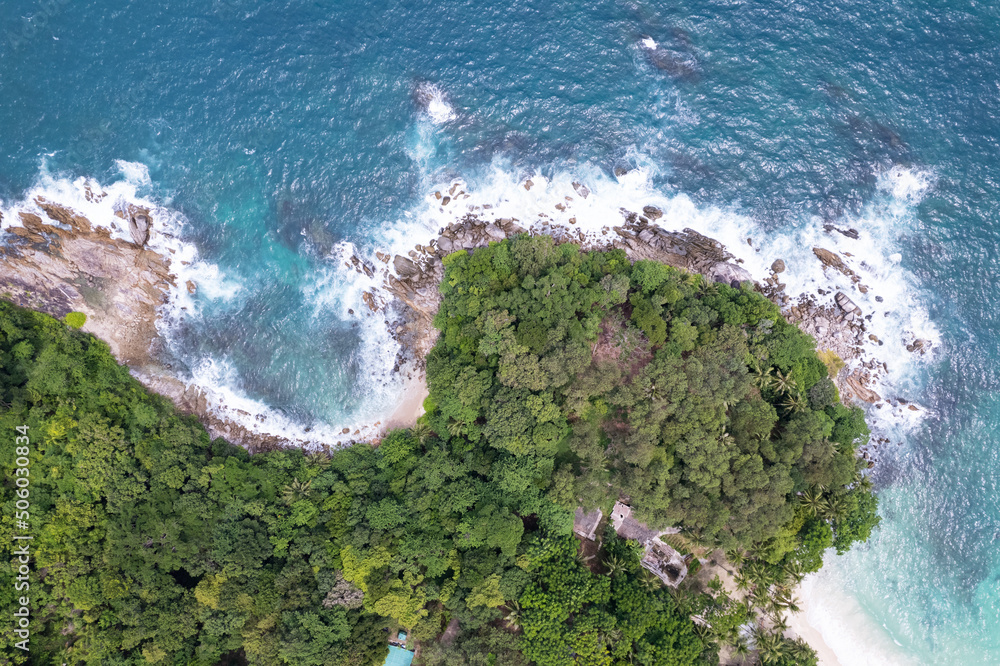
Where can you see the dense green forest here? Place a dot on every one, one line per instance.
(562, 378)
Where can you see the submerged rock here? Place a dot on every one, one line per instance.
(652, 212)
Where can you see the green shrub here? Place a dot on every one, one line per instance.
(75, 319)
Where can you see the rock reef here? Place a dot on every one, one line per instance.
(61, 263)
(840, 328)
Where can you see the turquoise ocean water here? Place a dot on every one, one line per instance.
(276, 139)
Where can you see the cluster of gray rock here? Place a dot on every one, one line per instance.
(62, 263)
(839, 329)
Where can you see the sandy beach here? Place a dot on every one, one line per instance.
(838, 628)
(411, 404)
(799, 624)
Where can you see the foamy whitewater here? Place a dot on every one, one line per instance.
(275, 144)
(586, 203)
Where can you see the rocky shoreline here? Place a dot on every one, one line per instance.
(64, 263)
(840, 329)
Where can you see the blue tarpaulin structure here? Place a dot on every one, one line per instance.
(398, 657)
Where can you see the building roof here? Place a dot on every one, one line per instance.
(665, 562)
(398, 657)
(585, 524)
(628, 527)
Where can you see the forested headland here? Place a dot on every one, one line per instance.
(561, 379)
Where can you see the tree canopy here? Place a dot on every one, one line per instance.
(561, 378)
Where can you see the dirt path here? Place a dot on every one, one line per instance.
(450, 633)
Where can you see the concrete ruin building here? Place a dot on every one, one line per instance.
(659, 558)
(585, 524)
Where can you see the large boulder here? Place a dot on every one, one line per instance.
(846, 304)
(404, 267)
(652, 212)
(729, 273)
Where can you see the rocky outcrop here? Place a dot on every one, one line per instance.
(416, 279)
(839, 329)
(62, 263)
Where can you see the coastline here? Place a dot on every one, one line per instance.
(129, 289)
(140, 282)
(801, 626)
(839, 629)
(411, 403)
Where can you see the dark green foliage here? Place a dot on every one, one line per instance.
(716, 417)
(859, 516)
(561, 378)
(573, 616)
(159, 545)
(538, 361)
(823, 394)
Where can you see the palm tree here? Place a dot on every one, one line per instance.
(296, 490)
(456, 428)
(610, 636)
(704, 632)
(759, 574)
(513, 616)
(691, 279)
(795, 402)
(708, 288)
(742, 581)
(813, 502)
(741, 650)
(783, 383)
(780, 624)
(800, 651)
(649, 581)
(614, 564)
(862, 482)
(791, 604)
(761, 376)
(770, 647)
(736, 557)
(836, 509)
(759, 597)
(421, 432)
(318, 459)
(652, 392)
(794, 572)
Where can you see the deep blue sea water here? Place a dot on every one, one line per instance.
(279, 138)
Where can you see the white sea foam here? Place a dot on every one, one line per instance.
(649, 43)
(584, 201)
(98, 203)
(221, 384)
(907, 186)
(135, 173)
(894, 299)
(339, 289)
(435, 103)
